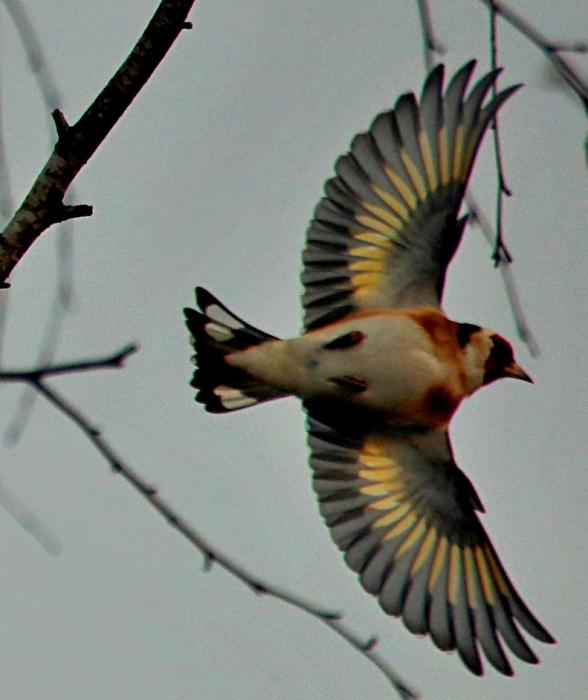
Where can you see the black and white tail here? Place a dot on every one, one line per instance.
(217, 332)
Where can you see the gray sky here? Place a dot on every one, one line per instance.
(210, 178)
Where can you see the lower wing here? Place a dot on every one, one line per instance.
(405, 516)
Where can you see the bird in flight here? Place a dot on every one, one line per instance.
(381, 371)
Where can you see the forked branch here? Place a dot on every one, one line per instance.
(36, 378)
(551, 49)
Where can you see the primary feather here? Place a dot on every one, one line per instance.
(387, 228)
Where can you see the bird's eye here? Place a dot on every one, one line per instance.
(502, 352)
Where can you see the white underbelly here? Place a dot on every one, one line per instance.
(395, 363)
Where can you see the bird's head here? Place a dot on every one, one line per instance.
(488, 357)
(501, 362)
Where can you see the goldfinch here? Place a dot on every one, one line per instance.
(381, 370)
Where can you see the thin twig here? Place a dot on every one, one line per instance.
(26, 401)
(568, 46)
(550, 48)
(114, 361)
(478, 218)
(14, 431)
(431, 44)
(36, 378)
(500, 249)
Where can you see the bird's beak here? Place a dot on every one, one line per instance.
(517, 372)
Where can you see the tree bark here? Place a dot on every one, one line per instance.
(76, 144)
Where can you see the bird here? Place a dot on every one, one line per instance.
(381, 370)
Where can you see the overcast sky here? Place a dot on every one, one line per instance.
(210, 178)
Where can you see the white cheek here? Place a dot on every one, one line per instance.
(475, 357)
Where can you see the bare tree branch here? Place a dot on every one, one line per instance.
(551, 49)
(45, 357)
(33, 375)
(500, 250)
(36, 378)
(478, 218)
(431, 44)
(77, 145)
(17, 424)
(569, 46)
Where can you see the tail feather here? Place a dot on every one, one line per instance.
(217, 332)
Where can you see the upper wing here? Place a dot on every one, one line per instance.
(387, 228)
(404, 514)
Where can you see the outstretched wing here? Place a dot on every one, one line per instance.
(387, 228)
(405, 516)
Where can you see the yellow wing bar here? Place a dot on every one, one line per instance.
(405, 516)
(387, 227)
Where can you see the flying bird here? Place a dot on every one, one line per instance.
(381, 370)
